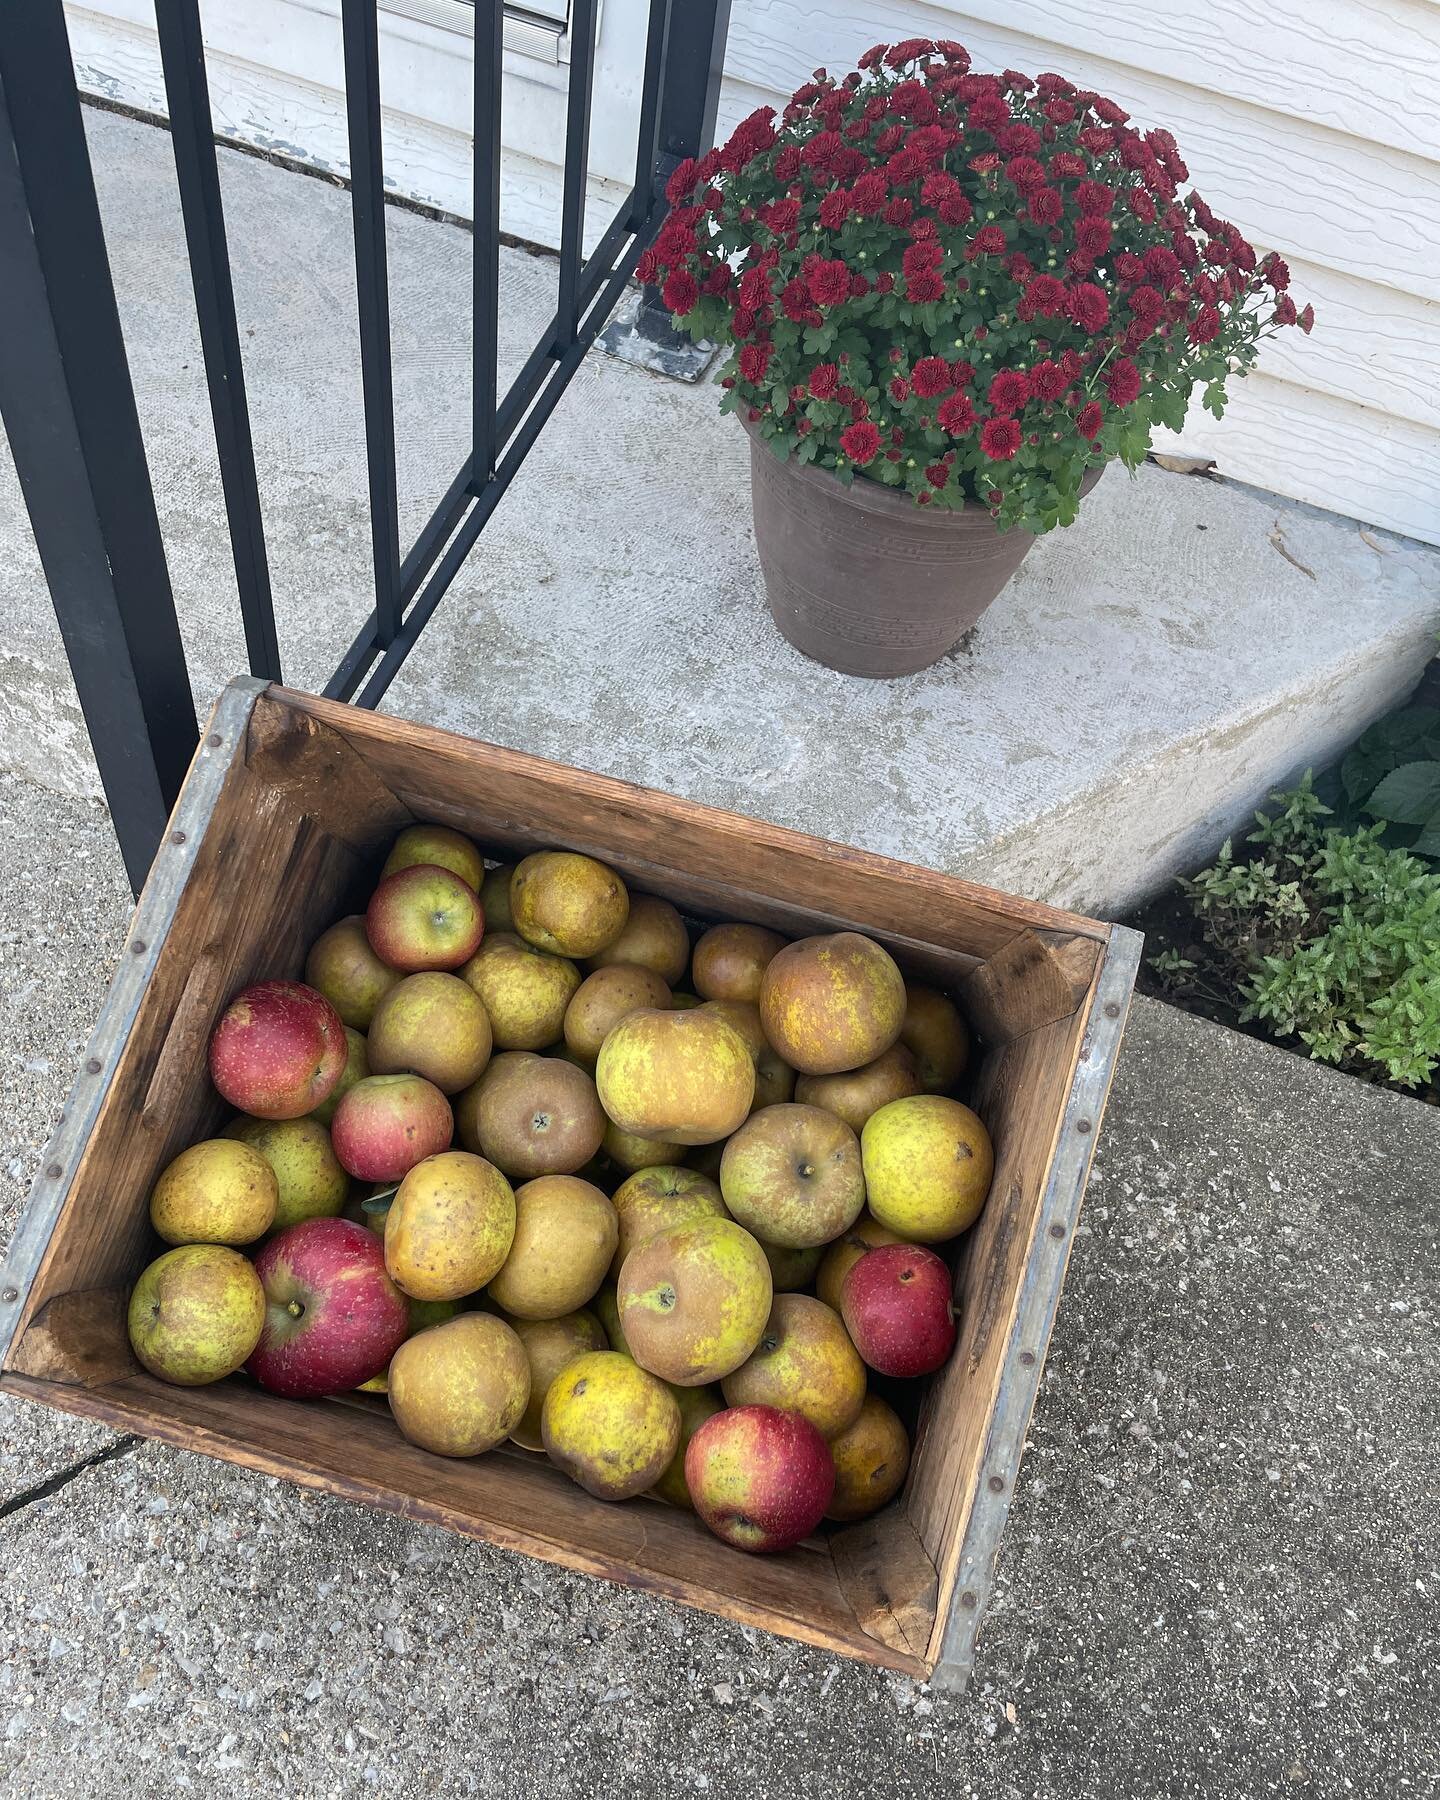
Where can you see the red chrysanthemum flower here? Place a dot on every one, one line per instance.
(955, 209)
(923, 254)
(1122, 382)
(936, 474)
(1092, 236)
(1141, 204)
(899, 389)
(1009, 390)
(1025, 172)
(681, 291)
(829, 282)
(647, 267)
(683, 181)
(1089, 419)
(908, 50)
(754, 360)
(1093, 198)
(834, 209)
(869, 193)
(1045, 295)
(924, 287)
(989, 240)
(781, 215)
(1045, 206)
(956, 414)
(1000, 438)
(1048, 380)
(824, 379)
(931, 376)
(1204, 326)
(1089, 307)
(861, 442)
(1286, 312)
(1145, 303)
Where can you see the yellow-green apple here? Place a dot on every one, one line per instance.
(606, 1307)
(603, 999)
(685, 1002)
(424, 917)
(774, 1078)
(333, 1317)
(730, 961)
(495, 898)
(388, 1123)
(342, 966)
(216, 1192)
(654, 938)
(686, 1077)
(311, 1184)
(803, 1363)
(792, 1175)
(791, 1269)
(431, 1024)
(460, 1388)
(525, 991)
(832, 1003)
(278, 1050)
(867, 1233)
(438, 847)
(928, 1164)
(609, 1425)
(896, 1304)
(531, 1115)
(551, 1345)
(653, 1199)
(449, 1226)
(568, 904)
(631, 1153)
(697, 1404)
(760, 1478)
(196, 1314)
(854, 1094)
(694, 1300)
(565, 1232)
(938, 1037)
(871, 1458)
(357, 1067)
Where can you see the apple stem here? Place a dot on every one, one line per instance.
(295, 1309)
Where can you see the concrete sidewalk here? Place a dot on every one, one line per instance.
(1219, 1578)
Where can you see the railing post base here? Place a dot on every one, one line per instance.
(641, 334)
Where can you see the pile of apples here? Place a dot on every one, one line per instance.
(683, 1224)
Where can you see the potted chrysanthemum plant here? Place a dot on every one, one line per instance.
(951, 298)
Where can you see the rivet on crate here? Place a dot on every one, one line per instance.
(93, 1065)
(138, 947)
(967, 1600)
(1027, 1358)
(10, 1296)
(997, 1484)
(1082, 1125)
(214, 740)
(1057, 1231)
(177, 837)
(1112, 1011)
(54, 1171)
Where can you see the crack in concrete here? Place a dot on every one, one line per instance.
(44, 1489)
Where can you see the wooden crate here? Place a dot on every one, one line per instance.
(287, 809)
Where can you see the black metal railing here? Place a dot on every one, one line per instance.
(69, 408)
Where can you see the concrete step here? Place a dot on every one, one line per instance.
(1145, 678)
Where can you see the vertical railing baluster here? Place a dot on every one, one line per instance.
(360, 25)
(485, 251)
(577, 158)
(192, 137)
(647, 143)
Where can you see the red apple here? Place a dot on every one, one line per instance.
(388, 1123)
(424, 917)
(760, 1478)
(897, 1307)
(278, 1050)
(333, 1317)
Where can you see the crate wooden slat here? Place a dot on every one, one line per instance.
(285, 816)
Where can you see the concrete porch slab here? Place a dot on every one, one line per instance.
(1145, 678)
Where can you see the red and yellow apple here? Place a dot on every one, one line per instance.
(278, 1050)
(333, 1317)
(424, 917)
(760, 1478)
(388, 1123)
(897, 1306)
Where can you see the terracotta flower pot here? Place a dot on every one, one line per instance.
(863, 579)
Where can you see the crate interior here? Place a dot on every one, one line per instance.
(312, 797)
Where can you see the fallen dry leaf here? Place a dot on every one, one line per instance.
(1374, 543)
(1186, 465)
(1010, 1712)
(1277, 538)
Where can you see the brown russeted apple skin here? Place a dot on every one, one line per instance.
(388, 1123)
(686, 1077)
(790, 1269)
(657, 1198)
(310, 1181)
(760, 1478)
(774, 1078)
(654, 938)
(872, 1457)
(461, 1388)
(630, 1153)
(867, 1233)
(792, 1175)
(610, 1425)
(832, 1003)
(525, 991)
(196, 1314)
(216, 1192)
(342, 966)
(803, 1363)
(928, 1166)
(605, 998)
(694, 1300)
(565, 1235)
(696, 1404)
(567, 903)
(450, 1227)
(531, 1115)
(606, 1308)
(730, 960)
(935, 1033)
(495, 898)
(431, 1024)
(357, 1067)
(436, 846)
(551, 1345)
(854, 1094)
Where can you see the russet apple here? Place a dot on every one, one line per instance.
(871, 1456)
(342, 966)
(568, 904)
(437, 847)
(791, 1174)
(460, 1388)
(525, 991)
(565, 1235)
(310, 1182)
(896, 1304)
(603, 999)
(696, 1404)
(803, 1363)
(867, 1233)
(654, 938)
(388, 1123)
(495, 898)
(216, 1192)
(791, 1269)
(654, 1199)
(431, 1024)
(693, 1301)
(196, 1314)
(424, 917)
(449, 1227)
(609, 1425)
(774, 1078)
(357, 1067)
(531, 1115)
(937, 1036)
(630, 1153)
(278, 1050)
(550, 1346)
(333, 1317)
(731, 959)
(686, 1077)
(760, 1478)
(832, 1003)
(854, 1094)
(928, 1163)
